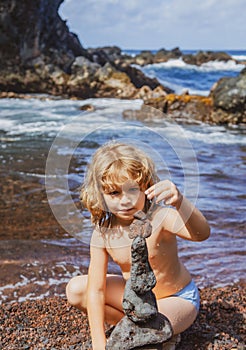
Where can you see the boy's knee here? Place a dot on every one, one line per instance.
(75, 291)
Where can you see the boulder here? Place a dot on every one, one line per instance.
(206, 56)
(229, 100)
(139, 79)
(163, 55)
(129, 335)
(105, 54)
(189, 109)
(225, 105)
(144, 57)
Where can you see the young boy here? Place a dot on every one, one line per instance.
(121, 180)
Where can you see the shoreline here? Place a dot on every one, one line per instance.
(51, 323)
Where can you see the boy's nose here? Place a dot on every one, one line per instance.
(125, 199)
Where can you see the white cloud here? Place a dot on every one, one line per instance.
(213, 24)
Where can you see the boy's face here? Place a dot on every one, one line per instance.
(124, 201)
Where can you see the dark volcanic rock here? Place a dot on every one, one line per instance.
(44, 57)
(190, 109)
(206, 56)
(129, 335)
(105, 54)
(142, 276)
(143, 325)
(229, 98)
(139, 302)
(163, 55)
(46, 33)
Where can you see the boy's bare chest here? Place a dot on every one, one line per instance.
(120, 251)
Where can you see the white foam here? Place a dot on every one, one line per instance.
(6, 124)
(179, 89)
(239, 57)
(221, 66)
(205, 67)
(206, 134)
(51, 116)
(55, 280)
(34, 128)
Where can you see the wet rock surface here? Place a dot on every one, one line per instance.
(226, 105)
(229, 99)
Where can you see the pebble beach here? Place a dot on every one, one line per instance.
(51, 323)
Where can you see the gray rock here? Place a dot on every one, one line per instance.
(142, 275)
(129, 335)
(83, 66)
(143, 326)
(139, 307)
(229, 99)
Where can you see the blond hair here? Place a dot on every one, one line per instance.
(113, 164)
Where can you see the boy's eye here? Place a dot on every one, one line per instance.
(133, 189)
(114, 193)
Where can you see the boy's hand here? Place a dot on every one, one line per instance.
(165, 191)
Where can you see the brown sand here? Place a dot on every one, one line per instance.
(52, 324)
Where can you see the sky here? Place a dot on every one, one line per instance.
(156, 24)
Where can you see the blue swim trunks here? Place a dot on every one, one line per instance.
(190, 293)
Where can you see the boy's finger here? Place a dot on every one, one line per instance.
(150, 189)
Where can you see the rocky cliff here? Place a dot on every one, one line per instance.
(38, 54)
(34, 29)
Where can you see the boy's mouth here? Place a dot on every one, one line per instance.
(126, 210)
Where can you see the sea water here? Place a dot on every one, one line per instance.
(182, 77)
(206, 162)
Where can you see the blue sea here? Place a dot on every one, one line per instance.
(180, 77)
(206, 162)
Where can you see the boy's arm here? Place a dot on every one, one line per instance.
(96, 294)
(186, 221)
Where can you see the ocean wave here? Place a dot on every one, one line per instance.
(222, 66)
(205, 67)
(239, 57)
(32, 128)
(5, 124)
(181, 89)
(35, 117)
(206, 134)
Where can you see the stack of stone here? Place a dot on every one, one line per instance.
(142, 327)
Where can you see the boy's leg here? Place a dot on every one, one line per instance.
(76, 292)
(115, 285)
(180, 312)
